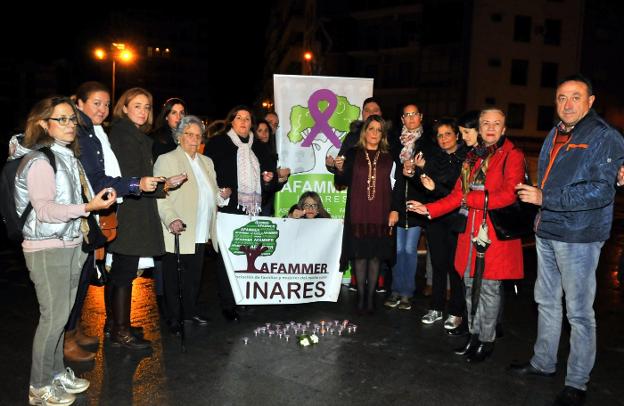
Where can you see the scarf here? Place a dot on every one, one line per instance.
(478, 152)
(248, 173)
(408, 140)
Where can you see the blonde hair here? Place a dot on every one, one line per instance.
(383, 143)
(125, 99)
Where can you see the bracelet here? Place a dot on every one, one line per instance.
(134, 186)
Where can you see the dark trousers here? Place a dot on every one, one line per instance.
(192, 267)
(124, 269)
(81, 293)
(442, 245)
(226, 297)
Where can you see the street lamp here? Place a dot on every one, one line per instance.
(119, 52)
(308, 56)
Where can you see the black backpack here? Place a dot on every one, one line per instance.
(13, 223)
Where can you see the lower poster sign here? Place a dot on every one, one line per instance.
(281, 260)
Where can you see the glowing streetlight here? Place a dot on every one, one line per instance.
(119, 52)
(308, 56)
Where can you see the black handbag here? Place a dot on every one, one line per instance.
(459, 220)
(516, 220)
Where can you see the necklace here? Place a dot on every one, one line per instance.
(372, 175)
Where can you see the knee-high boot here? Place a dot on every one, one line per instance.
(121, 335)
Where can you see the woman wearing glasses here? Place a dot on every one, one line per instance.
(53, 235)
(139, 235)
(173, 111)
(189, 211)
(309, 206)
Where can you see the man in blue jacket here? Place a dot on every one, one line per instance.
(577, 170)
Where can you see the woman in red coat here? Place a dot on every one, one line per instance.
(496, 166)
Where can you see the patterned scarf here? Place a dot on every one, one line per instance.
(408, 140)
(248, 172)
(478, 152)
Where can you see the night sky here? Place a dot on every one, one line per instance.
(66, 32)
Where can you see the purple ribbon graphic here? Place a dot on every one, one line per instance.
(321, 118)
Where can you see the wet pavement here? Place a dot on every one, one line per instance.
(392, 359)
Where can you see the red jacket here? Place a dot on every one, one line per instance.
(503, 259)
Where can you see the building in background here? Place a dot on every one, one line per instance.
(447, 55)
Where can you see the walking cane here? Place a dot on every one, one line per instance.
(180, 298)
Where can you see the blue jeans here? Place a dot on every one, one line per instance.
(404, 273)
(568, 268)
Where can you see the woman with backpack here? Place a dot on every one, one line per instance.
(53, 237)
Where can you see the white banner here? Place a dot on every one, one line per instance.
(281, 260)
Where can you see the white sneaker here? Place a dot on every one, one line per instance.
(431, 317)
(452, 322)
(70, 382)
(50, 395)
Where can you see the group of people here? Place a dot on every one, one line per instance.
(144, 190)
(449, 188)
(162, 190)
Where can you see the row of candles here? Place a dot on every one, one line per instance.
(287, 330)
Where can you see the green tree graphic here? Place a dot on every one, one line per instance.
(255, 238)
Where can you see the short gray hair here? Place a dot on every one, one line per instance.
(187, 121)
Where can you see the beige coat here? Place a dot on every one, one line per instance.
(181, 203)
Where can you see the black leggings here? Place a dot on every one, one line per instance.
(366, 270)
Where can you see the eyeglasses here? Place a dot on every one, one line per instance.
(412, 114)
(310, 206)
(64, 121)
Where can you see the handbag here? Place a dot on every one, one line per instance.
(108, 224)
(459, 220)
(94, 238)
(516, 220)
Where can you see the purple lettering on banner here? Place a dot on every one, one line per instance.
(321, 118)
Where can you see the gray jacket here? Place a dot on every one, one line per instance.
(68, 191)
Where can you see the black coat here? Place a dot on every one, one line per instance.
(222, 151)
(163, 141)
(139, 232)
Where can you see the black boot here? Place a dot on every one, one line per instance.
(121, 335)
(483, 351)
(108, 324)
(471, 346)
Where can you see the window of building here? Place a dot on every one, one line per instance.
(515, 116)
(519, 72)
(552, 32)
(545, 118)
(522, 29)
(548, 77)
(494, 62)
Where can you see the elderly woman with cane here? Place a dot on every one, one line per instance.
(490, 171)
(189, 212)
